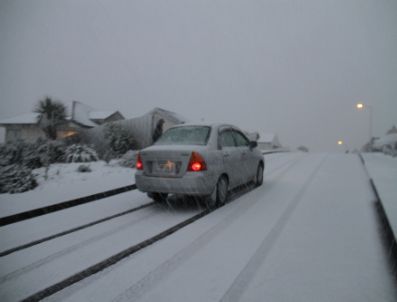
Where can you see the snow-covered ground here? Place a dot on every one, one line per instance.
(65, 183)
(383, 170)
(310, 233)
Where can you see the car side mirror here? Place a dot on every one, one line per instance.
(253, 144)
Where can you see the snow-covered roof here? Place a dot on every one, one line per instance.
(267, 137)
(100, 115)
(81, 113)
(27, 118)
(175, 117)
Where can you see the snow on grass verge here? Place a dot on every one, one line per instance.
(64, 182)
(383, 171)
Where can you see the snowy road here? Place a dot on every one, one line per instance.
(310, 233)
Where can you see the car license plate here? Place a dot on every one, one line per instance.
(168, 167)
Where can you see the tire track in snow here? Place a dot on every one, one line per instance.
(43, 261)
(62, 205)
(238, 287)
(63, 233)
(140, 288)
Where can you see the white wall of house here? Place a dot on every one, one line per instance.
(2, 135)
(27, 133)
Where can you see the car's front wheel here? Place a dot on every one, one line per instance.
(259, 175)
(158, 197)
(220, 194)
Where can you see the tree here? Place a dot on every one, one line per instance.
(51, 115)
(119, 139)
(392, 130)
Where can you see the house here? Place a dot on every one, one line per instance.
(386, 144)
(268, 141)
(80, 116)
(141, 128)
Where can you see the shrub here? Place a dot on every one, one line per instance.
(128, 159)
(32, 155)
(10, 153)
(80, 154)
(119, 139)
(16, 179)
(84, 169)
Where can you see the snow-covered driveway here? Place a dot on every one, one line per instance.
(310, 233)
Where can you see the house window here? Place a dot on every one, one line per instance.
(65, 134)
(14, 134)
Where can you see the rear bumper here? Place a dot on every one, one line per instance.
(192, 183)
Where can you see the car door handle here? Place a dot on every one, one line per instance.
(226, 155)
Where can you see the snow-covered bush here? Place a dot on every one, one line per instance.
(32, 155)
(84, 169)
(128, 159)
(54, 149)
(80, 154)
(119, 139)
(16, 179)
(390, 150)
(10, 153)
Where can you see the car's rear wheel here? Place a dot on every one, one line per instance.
(259, 175)
(158, 197)
(220, 194)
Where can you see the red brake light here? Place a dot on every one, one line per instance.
(196, 163)
(139, 164)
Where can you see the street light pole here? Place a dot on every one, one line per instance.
(342, 143)
(362, 106)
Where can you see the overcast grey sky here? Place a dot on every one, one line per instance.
(294, 67)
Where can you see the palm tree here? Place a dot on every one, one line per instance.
(51, 115)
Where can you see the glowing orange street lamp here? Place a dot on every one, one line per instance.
(362, 106)
(342, 143)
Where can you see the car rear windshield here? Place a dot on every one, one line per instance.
(186, 135)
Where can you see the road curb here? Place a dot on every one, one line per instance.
(63, 205)
(390, 236)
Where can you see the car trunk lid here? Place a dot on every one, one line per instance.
(167, 161)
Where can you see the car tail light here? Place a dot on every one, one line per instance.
(196, 163)
(139, 163)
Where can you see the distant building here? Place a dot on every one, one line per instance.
(81, 116)
(392, 130)
(141, 128)
(268, 141)
(386, 144)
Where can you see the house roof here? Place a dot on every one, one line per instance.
(267, 137)
(175, 117)
(81, 113)
(100, 115)
(27, 118)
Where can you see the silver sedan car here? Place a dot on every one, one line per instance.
(199, 159)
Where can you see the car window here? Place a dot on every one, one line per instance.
(226, 139)
(186, 135)
(241, 140)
